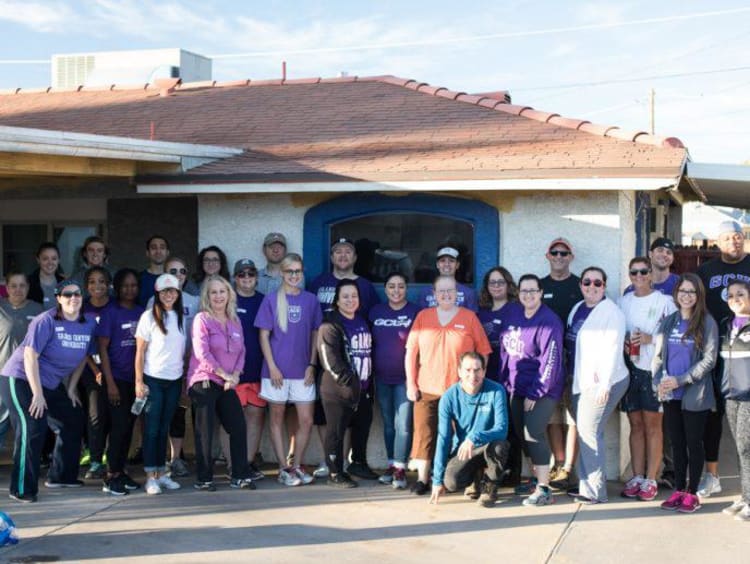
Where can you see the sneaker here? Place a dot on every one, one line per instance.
(648, 490)
(55, 485)
(674, 501)
(178, 468)
(242, 484)
(341, 480)
(128, 482)
(167, 482)
(632, 487)
(489, 494)
(255, 472)
(387, 476)
(690, 503)
(114, 486)
(709, 485)
(288, 477)
(205, 486)
(85, 458)
(735, 508)
(153, 487)
(541, 496)
(554, 471)
(321, 471)
(420, 488)
(362, 470)
(96, 471)
(743, 515)
(399, 479)
(303, 476)
(290, 459)
(474, 490)
(22, 498)
(525, 487)
(561, 481)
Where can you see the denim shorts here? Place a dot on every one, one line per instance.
(640, 395)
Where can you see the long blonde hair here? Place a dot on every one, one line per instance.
(231, 301)
(282, 306)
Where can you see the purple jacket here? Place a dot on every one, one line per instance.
(215, 346)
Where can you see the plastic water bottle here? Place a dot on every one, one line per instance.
(7, 530)
(139, 403)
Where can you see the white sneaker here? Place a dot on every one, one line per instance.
(302, 475)
(735, 508)
(167, 482)
(152, 487)
(743, 515)
(709, 485)
(321, 471)
(289, 478)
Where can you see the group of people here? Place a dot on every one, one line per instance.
(468, 383)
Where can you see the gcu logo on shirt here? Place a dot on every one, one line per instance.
(402, 321)
(512, 342)
(294, 313)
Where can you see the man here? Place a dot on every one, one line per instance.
(662, 257)
(562, 291)
(717, 274)
(472, 432)
(157, 252)
(343, 259)
(274, 249)
(447, 265)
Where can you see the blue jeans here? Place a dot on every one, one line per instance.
(163, 396)
(396, 410)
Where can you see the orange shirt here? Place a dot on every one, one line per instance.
(432, 350)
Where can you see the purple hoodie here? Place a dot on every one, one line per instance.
(215, 346)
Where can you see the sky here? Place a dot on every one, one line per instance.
(591, 60)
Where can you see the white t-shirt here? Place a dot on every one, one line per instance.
(645, 313)
(165, 353)
(190, 306)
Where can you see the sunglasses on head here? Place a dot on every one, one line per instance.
(641, 271)
(176, 271)
(588, 282)
(71, 294)
(559, 253)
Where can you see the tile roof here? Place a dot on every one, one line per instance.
(372, 128)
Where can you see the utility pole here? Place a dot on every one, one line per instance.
(652, 120)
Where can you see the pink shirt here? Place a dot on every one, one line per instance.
(215, 346)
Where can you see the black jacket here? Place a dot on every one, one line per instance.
(339, 377)
(35, 286)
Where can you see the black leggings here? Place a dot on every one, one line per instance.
(686, 430)
(97, 408)
(121, 428)
(341, 414)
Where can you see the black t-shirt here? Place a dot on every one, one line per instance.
(716, 276)
(561, 295)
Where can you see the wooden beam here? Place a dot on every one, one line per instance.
(27, 164)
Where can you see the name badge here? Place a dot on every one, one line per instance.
(126, 326)
(460, 326)
(59, 329)
(548, 296)
(241, 310)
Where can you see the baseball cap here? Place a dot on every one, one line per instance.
(166, 281)
(447, 252)
(729, 226)
(65, 283)
(560, 241)
(343, 241)
(662, 242)
(272, 238)
(244, 264)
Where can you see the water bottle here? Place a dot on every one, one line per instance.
(7, 530)
(138, 404)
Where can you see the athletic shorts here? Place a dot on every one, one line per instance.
(290, 390)
(249, 394)
(640, 395)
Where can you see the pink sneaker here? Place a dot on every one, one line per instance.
(649, 489)
(674, 501)
(690, 504)
(632, 487)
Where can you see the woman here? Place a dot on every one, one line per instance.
(288, 320)
(55, 347)
(438, 337)
(596, 328)
(685, 351)
(344, 348)
(211, 260)
(390, 324)
(498, 291)
(93, 394)
(217, 358)
(117, 345)
(644, 309)
(44, 280)
(531, 359)
(16, 312)
(159, 359)
(735, 387)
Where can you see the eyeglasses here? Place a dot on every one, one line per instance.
(588, 282)
(211, 259)
(641, 271)
(559, 253)
(529, 292)
(448, 291)
(296, 272)
(245, 274)
(176, 271)
(71, 294)
(500, 282)
(687, 292)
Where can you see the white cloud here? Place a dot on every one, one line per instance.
(43, 17)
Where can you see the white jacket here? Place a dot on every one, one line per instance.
(599, 362)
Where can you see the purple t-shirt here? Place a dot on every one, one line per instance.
(61, 345)
(96, 311)
(247, 309)
(493, 323)
(118, 324)
(360, 347)
(390, 328)
(465, 297)
(291, 350)
(324, 287)
(571, 334)
(679, 354)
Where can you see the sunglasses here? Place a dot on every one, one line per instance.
(559, 253)
(71, 294)
(641, 271)
(245, 274)
(588, 282)
(293, 272)
(176, 271)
